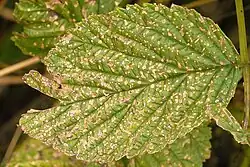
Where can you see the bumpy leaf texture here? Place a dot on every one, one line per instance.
(133, 81)
(191, 150)
(33, 153)
(45, 20)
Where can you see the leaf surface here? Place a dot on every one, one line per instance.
(33, 153)
(191, 150)
(133, 81)
(46, 20)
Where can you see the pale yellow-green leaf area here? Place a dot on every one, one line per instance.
(133, 81)
(32, 153)
(191, 150)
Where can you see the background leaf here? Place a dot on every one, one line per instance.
(9, 53)
(45, 21)
(133, 81)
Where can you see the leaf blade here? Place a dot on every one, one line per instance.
(191, 150)
(48, 20)
(32, 153)
(130, 84)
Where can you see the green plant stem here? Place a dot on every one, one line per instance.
(244, 59)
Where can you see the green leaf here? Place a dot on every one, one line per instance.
(9, 54)
(43, 163)
(46, 20)
(225, 120)
(32, 153)
(133, 81)
(191, 150)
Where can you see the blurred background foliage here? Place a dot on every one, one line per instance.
(16, 98)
